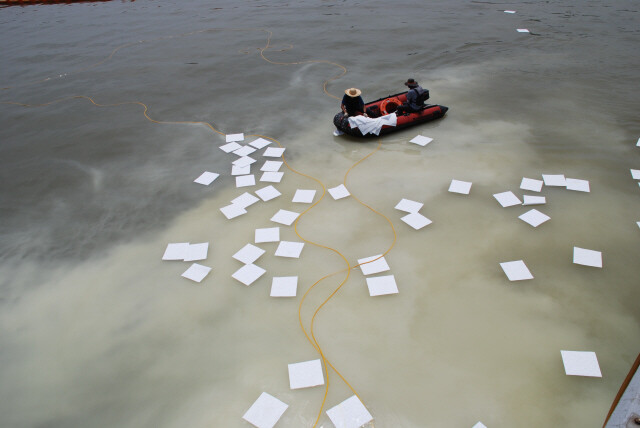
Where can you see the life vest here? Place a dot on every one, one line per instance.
(422, 95)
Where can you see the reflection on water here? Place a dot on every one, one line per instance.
(99, 331)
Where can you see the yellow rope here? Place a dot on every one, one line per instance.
(312, 339)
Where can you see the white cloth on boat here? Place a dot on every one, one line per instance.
(368, 125)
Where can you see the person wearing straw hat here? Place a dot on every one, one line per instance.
(352, 103)
(415, 98)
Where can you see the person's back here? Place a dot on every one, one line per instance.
(415, 98)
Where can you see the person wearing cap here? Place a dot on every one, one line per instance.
(415, 98)
(352, 103)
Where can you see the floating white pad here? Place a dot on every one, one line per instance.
(230, 147)
(582, 256)
(245, 200)
(234, 137)
(274, 152)
(507, 199)
(176, 251)
(462, 187)
(285, 217)
(271, 166)
(534, 200)
(232, 211)
(247, 274)
(577, 185)
(268, 193)
(523, 30)
(244, 161)
(509, 11)
(248, 254)
(416, 220)
(265, 412)
(531, 184)
(244, 151)
(638, 143)
(370, 267)
(409, 206)
(351, 413)
(272, 177)
(240, 170)
(196, 272)
(516, 270)
(480, 424)
(381, 285)
(269, 234)
(197, 252)
(638, 223)
(579, 363)
(206, 178)
(635, 173)
(304, 196)
(534, 217)
(245, 180)
(260, 143)
(289, 249)
(554, 180)
(339, 192)
(421, 140)
(305, 374)
(284, 286)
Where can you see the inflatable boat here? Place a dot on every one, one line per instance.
(388, 105)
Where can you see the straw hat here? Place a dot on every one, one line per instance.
(353, 92)
(411, 82)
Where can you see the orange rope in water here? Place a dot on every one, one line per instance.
(310, 335)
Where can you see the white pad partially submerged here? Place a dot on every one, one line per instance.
(516, 270)
(271, 166)
(248, 274)
(534, 217)
(284, 286)
(230, 147)
(381, 285)
(578, 185)
(265, 412)
(421, 140)
(245, 200)
(409, 206)
(268, 193)
(534, 200)
(304, 196)
(523, 30)
(234, 137)
(274, 152)
(507, 199)
(351, 413)
(196, 272)
(579, 363)
(248, 254)
(196, 252)
(582, 256)
(635, 173)
(285, 217)
(554, 180)
(462, 187)
(289, 249)
(232, 211)
(416, 220)
(270, 234)
(245, 180)
(206, 178)
(531, 184)
(305, 374)
(272, 177)
(176, 251)
(339, 192)
(369, 267)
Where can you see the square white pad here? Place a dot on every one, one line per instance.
(305, 374)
